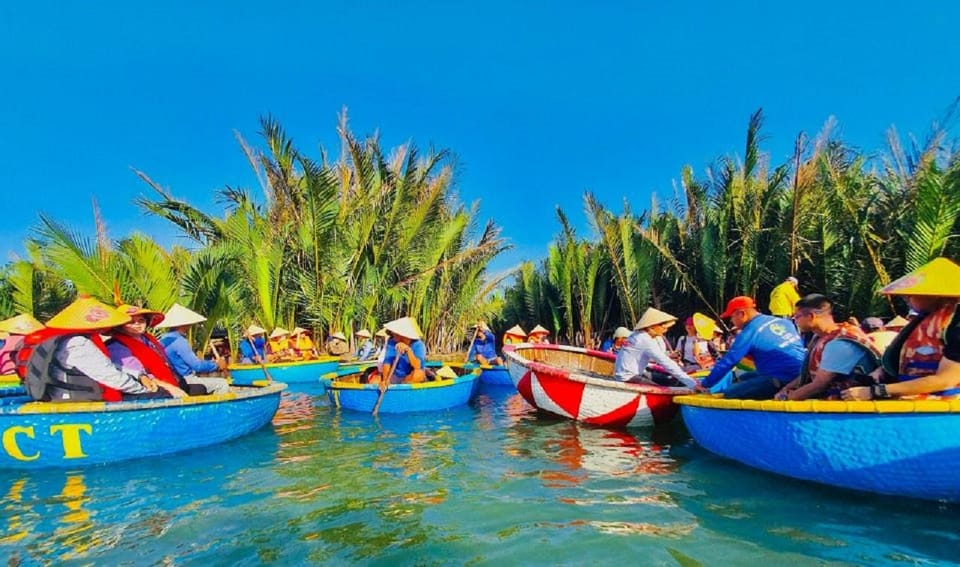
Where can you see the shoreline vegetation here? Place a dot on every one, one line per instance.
(339, 244)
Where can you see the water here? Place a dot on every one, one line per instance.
(490, 484)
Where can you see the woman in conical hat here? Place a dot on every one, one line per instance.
(365, 347)
(79, 348)
(538, 335)
(135, 351)
(302, 345)
(642, 350)
(337, 344)
(179, 319)
(405, 353)
(278, 347)
(252, 345)
(16, 328)
(924, 358)
(514, 335)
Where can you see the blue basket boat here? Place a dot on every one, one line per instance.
(897, 447)
(300, 372)
(346, 392)
(48, 435)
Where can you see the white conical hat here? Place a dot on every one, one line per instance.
(538, 330)
(363, 333)
(621, 333)
(338, 335)
(516, 331)
(382, 333)
(279, 332)
(446, 372)
(405, 327)
(298, 331)
(180, 316)
(253, 330)
(653, 317)
(897, 321)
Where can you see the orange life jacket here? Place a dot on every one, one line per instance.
(843, 332)
(923, 348)
(151, 354)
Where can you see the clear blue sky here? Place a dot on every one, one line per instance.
(536, 98)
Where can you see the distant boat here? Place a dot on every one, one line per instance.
(297, 372)
(50, 435)
(578, 384)
(347, 392)
(898, 447)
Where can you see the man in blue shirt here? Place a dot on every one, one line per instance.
(179, 319)
(774, 346)
(484, 346)
(405, 353)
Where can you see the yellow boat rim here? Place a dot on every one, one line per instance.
(926, 405)
(284, 364)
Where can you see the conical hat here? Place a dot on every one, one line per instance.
(298, 331)
(405, 327)
(20, 325)
(363, 333)
(180, 316)
(621, 333)
(253, 330)
(338, 335)
(279, 332)
(515, 331)
(4, 335)
(382, 333)
(653, 317)
(87, 314)
(704, 325)
(538, 330)
(153, 317)
(446, 372)
(939, 278)
(897, 321)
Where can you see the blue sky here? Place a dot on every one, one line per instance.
(541, 101)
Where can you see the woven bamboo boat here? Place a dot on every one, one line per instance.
(299, 372)
(49, 435)
(897, 447)
(347, 392)
(578, 384)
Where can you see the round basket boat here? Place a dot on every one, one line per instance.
(898, 447)
(346, 391)
(299, 372)
(578, 384)
(48, 435)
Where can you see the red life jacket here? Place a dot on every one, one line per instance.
(151, 354)
(922, 349)
(33, 362)
(844, 331)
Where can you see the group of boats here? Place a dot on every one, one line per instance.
(894, 447)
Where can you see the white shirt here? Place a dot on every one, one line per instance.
(640, 350)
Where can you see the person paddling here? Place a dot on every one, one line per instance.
(406, 349)
(185, 362)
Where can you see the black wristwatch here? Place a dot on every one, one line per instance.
(879, 392)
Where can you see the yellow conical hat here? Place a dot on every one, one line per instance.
(940, 278)
(538, 330)
(653, 317)
(405, 327)
(704, 325)
(180, 316)
(153, 317)
(87, 314)
(515, 331)
(20, 325)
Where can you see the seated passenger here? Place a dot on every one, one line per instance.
(16, 328)
(642, 349)
(925, 356)
(405, 353)
(337, 344)
(620, 336)
(771, 342)
(877, 333)
(302, 344)
(184, 361)
(896, 324)
(81, 369)
(251, 349)
(381, 345)
(278, 347)
(365, 348)
(695, 352)
(538, 336)
(483, 347)
(514, 335)
(837, 352)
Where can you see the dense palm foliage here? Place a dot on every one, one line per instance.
(329, 245)
(844, 223)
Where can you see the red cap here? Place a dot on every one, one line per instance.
(738, 303)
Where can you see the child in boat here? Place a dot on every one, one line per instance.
(405, 353)
(483, 348)
(81, 369)
(184, 361)
(642, 349)
(16, 328)
(365, 348)
(925, 356)
(251, 349)
(836, 353)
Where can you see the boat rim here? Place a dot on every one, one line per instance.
(901, 406)
(283, 364)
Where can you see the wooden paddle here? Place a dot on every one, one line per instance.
(262, 364)
(384, 384)
(473, 341)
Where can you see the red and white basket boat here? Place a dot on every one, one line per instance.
(578, 384)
